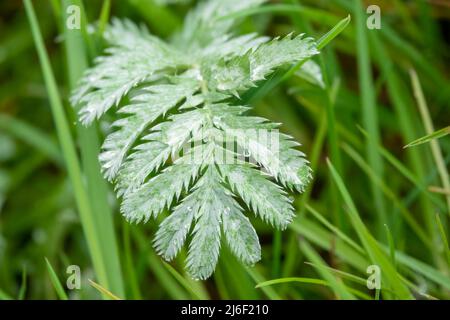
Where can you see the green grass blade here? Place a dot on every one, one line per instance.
(258, 278)
(165, 278)
(239, 279)
(4, 295)
(155, 14)
(338, 232)
(68, 149)
(282, 9)
(369, 111)
(308, 281)
(415, 226)
(276, 252)
(76, 53)
(424, 269)
(221, 284)
(318, 236)
(104, 291)
(322, 238)
(370, 245)
(435, 148)
(444, 239)
(170, 285)
(333, 33)
(185, 283)
(411, 176)
(55, 281)
(23, 285)
(130, 271)
(401, 102)
(430, 137)
(333, 143)
(343, 274)
(391, 245)
(290, 279)
(335, 284)
(104, 17)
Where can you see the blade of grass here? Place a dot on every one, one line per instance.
(76, 54)
(129, 266)
(415, 226)
(23, 285)
(159, 17)
(329, 241)
(424, 269)
(444, 239)
(284, 9)
(406, 49)
(276, 252)
(290, 279)
(335, 284)
(239, 278)
(184, 282)
(317, 146)
(334, 229)
(333, 33)
(429, 128)
(363, 281)
(165, 278)
(4, 295)
(439, 190)
(408, 174)
(104, 17)
(170, 285)
(55, 281)
(343, 274)
(370, 245)
(68, 150)
(221, 285)
(317, 149)
(391, 245)
(369, 112)
(258, 278)
(430, 137)
(415, 193)
(401, 102)
(104, 291)
(308, 281)
(320, 237)
(56, 8)
(333, 143)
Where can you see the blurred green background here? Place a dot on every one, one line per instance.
(376, 203)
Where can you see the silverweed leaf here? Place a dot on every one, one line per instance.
(177, 106)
